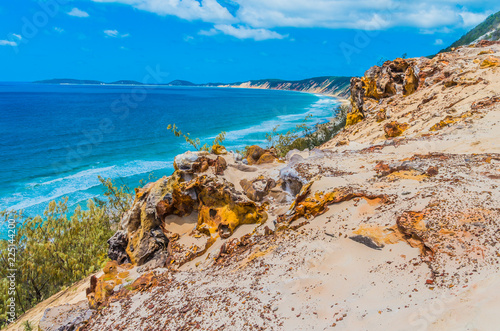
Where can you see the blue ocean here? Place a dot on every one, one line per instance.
(56, 139)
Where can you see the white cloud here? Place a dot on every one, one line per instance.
(8, 43)
(78, 13)
(115, 34)
(243, 32)
(206, 10)
(211, 32)
(253, 19)
(438, 42)
(59, 30)
(472, 19)
(18, 36)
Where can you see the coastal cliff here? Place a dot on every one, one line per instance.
(329, 85)
(394, 223)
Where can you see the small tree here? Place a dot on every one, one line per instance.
(54, 250)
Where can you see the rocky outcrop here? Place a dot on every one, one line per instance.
(258, 188)
(380, 82)
(258, 155)
(195, 187)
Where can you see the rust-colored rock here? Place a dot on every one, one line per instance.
(267, 157)
(308, 206)
(222, 210)
(258, 155)
(219, 150)
(254, 153)
(144, 282)
(353, 118)
(490, 62)
(102, 288)
(220, 165)
(410, 82)
(394, 129)
(413, 227)
(381, 115)
(480, 104)
(357, 95)
(258, 188)
(432, 171)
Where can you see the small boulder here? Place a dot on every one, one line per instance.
(219, 150)
(394, 129)
(220, 165)
(257, 189)
(254, 153)
(185, 161)
(258, 155)
(117, 247)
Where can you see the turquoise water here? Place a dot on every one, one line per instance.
(56, 139)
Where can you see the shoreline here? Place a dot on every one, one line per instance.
(39, 207)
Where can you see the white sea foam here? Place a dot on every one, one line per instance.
(36, 193)
(321, 109)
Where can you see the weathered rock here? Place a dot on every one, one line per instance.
(410, 82)
(67, 317)
(357, 95)
(220, 165)
(309, 206)
(291, 181)
(258, 155)
(222, 209)
(254, 153)
(353, 118)
(381, 115)
(413, 226)
(394, 129)
(102, 288)
(117, 247)
(267, 157)
(151, 243)
(219, 150)
(258, 188)
(379, 82)
(185, 161)
(489, 62)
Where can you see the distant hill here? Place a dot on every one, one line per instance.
(69, 81)
(488, 30)
(332, 85)
(179, 82)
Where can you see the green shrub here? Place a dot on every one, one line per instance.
(196, 143)
(55, 250)
(304, 136)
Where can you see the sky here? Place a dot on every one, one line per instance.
(222, 40)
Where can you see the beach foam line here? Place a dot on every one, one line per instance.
(32, 194)
(324, 107)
